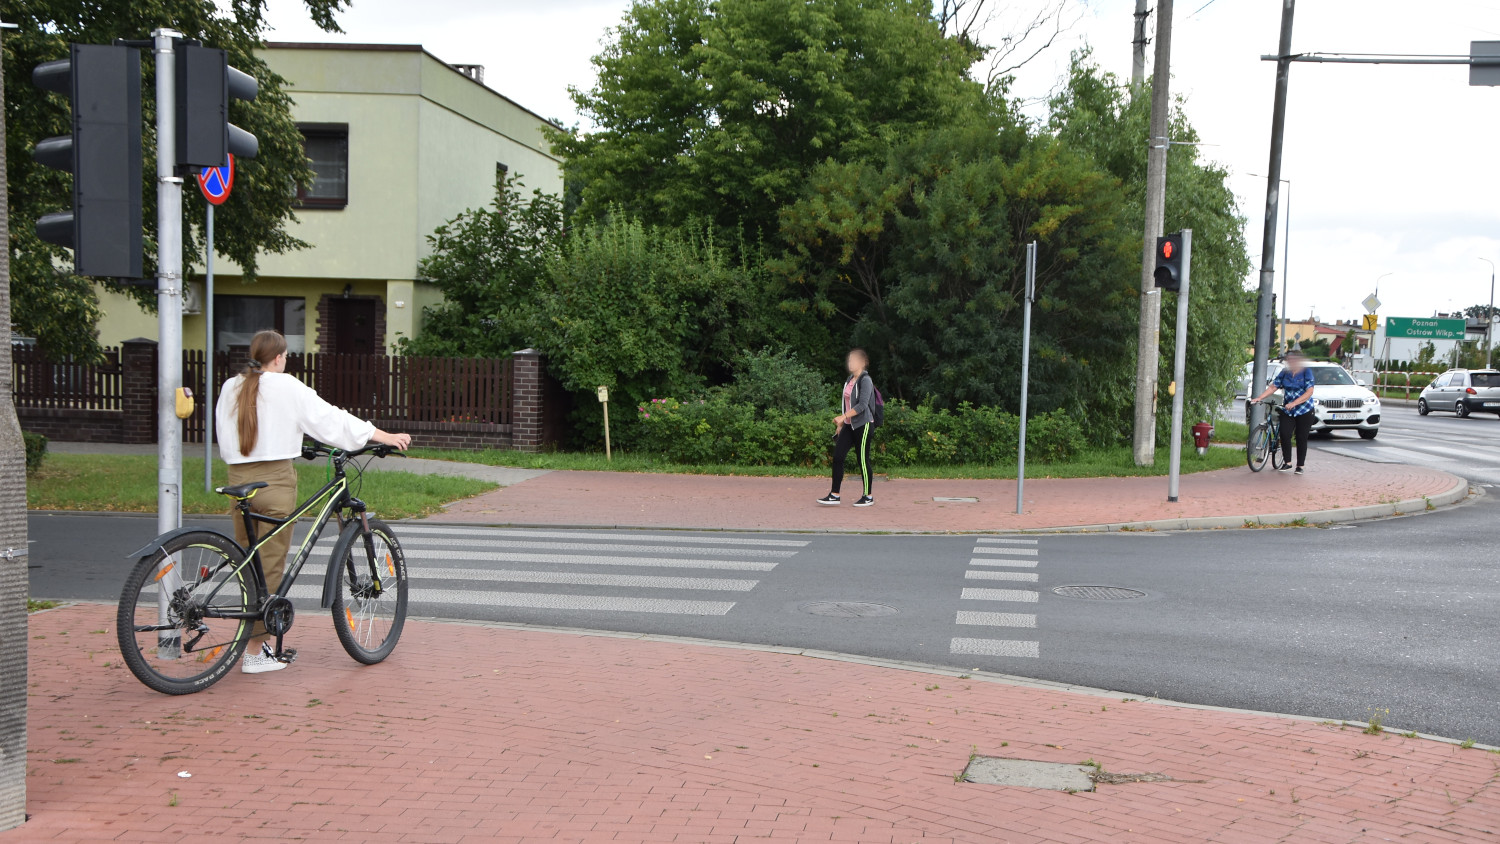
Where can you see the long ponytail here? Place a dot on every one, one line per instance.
(264, 348)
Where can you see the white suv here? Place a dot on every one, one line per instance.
(1339, 401)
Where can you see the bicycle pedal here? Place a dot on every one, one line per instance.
(287, 655)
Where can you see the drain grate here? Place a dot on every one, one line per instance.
(1098, 593)
(848, 609)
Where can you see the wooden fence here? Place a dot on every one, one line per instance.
(446, 402)
(40, 383)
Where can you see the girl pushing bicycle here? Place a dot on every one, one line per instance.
(1296, 384)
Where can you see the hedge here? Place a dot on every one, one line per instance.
(36, 450)
(714, 430)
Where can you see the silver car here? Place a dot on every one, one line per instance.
(1462, 391)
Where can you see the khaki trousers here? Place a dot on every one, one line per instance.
(277, 500)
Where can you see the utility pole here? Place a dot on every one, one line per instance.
(1264, 314)
(1489, 317)
(14, 578)
(1138, 57)
(1147, 341)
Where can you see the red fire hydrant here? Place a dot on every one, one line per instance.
(1202, 432)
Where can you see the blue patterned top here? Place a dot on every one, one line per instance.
(1293, 385)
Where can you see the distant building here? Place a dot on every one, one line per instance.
(1311, 330)
(400, 142)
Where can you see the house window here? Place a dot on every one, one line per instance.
(327, 148)
(237, 318)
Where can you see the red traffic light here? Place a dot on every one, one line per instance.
(1166, 249)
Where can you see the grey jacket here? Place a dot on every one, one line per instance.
(860, 400)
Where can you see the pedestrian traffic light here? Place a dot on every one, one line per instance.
(205, 84)
(1168, 273)
(103, 152)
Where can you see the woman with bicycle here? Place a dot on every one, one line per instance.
(261, 418)
(1296, 384)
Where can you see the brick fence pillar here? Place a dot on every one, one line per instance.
(526, 400)
(138, 391)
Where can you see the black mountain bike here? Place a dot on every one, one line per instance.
(1265, 441)
(190, 602)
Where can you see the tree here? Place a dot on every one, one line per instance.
(490, 264)
(1426, 354)
(1094, 115)
(59, 309)
(718, 111)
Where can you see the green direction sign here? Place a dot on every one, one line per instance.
(1425, 329)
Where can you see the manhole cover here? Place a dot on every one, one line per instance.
(1098, 593)
(848, 609)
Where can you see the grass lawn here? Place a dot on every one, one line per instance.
(1113, 462)
(127, 483)
(33, 605)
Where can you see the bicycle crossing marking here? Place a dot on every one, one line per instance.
(995, 619)
(1024, 576)
(1018, 564)
(1024, 596)
(995, 647)
(992, 568)
(585, 579)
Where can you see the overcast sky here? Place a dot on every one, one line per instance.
(1393, 168)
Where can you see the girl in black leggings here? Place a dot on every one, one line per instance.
(852, 430)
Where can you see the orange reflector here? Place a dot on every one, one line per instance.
(390, 564)
(164, 569)
(349, 615)
(210, 656)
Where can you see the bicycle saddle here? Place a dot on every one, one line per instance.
(242, 491)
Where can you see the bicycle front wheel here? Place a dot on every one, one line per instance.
(170, 624)
(1258, 450)
(369, 599)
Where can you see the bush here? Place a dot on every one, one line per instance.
(715, 430)
(36, 450)
(778, 381)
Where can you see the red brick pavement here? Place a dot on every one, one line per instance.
(480, 734)
(708, 501)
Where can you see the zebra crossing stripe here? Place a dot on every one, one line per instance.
(586, 560)
(1019, 564)
(1024, 596)
(995, 647)
(617, 537)
(546, 601)
(996, 619)
(1019, 552)
(989, 541)
(1025, 576)
(582, 579)
(581, 546)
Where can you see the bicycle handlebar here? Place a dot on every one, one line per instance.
(314, 450)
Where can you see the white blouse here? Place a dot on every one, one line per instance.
(286, 409)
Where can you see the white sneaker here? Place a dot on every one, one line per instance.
(261, 661)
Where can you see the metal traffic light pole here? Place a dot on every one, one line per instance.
(168, 286)
(1179, 365)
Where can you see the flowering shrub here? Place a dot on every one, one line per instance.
(714, 430)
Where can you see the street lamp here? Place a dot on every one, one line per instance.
(1489, 317)
(1286, 255)
(1377, 284)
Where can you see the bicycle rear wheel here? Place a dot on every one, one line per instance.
(168, 626)
(1258, 451)
(369, 601)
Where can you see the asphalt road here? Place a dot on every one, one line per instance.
(1469, 448)
(1395, 615)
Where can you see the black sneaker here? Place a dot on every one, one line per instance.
(829, 499)
(1285, 467)
(864, 501)
(1299, 470)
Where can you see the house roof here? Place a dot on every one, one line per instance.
(398, 48)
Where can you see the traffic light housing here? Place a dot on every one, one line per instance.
(205, 84)
(1168, 273)
(103, 152)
